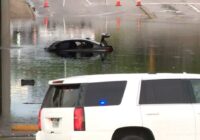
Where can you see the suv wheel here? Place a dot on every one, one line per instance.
(131, 137)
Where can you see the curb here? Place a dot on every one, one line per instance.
(147, 12)
(24, 127)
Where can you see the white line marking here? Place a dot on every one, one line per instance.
(173, 11)
(63, 3)
(90, 3)
(176, 3)
(104, 14)
(194, 8)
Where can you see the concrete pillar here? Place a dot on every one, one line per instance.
(0, 63)
(4, 66)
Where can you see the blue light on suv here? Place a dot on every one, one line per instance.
(102, 102)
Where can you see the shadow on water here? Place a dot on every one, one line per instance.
(139, 46)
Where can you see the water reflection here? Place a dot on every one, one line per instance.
(139, 46)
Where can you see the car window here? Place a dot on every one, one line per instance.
(78, 43)
(165, 91)
(63, 45)
(84, 44)
(66, 45)
(85, 94)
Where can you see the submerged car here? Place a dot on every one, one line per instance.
(86, 46)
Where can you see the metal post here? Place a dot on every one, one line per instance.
(152, 60)
(65, 68)
(4, 66)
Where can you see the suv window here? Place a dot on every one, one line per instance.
(85, 94)
(165, 91)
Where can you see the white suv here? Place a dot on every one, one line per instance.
(122, 107)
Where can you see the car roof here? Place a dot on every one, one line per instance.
(81, 39)
(123, 77)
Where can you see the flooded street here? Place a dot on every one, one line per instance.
(140, 46)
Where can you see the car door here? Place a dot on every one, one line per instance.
(66, 49)
(167, 110)
(196, 92)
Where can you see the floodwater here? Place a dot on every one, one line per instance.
(140, 46)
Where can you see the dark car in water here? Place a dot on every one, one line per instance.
(86, 47)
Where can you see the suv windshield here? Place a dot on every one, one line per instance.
(85, 94)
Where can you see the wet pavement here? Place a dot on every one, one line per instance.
(140, 45)
(183, 11)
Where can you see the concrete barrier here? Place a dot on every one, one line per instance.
(147, 12)
(20, 9)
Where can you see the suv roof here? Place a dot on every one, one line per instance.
(119, 77)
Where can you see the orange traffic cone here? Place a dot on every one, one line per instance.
(118, 3)
(138, 3)
(46, 3)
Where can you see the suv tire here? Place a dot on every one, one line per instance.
(131, 137)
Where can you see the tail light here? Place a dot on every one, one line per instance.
(109, 49)
(39, 120)
(79, 119)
